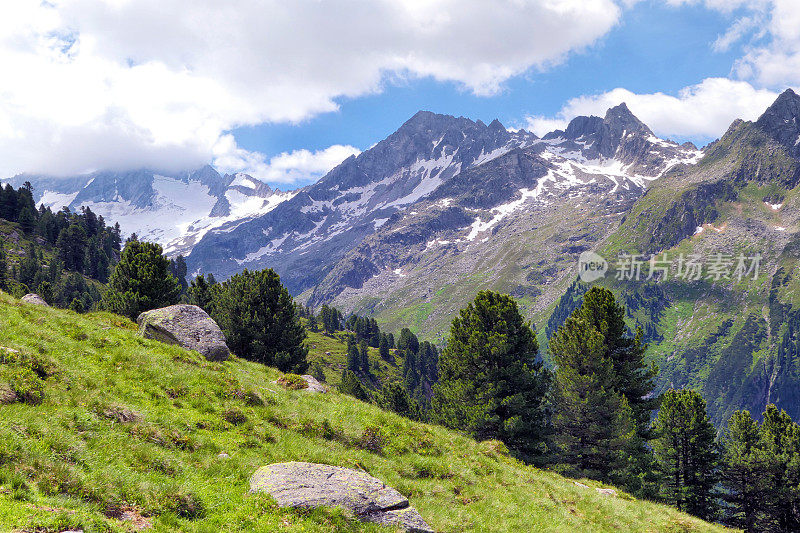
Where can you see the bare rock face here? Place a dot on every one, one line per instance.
(187, 326)
(310, 485)
(34, 299)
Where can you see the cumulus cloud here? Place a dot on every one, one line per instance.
(117, 83)
(700, 111)
(771, 36)
(287, 167)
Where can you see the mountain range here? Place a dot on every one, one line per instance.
(410, 229)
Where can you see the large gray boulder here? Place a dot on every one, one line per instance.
(35, 299)
(187, 326)
(311, 485)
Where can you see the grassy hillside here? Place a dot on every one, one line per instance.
(128, 432)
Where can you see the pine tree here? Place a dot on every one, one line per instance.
(45, 290)
(411, 377)
(352, 385)
(179, 271)
(779, 444)
(27, 220)
(200, 293)
(742, 472)
(686, 453)
(408, 341)
(3, 267)
(363, 355)
(260, 322)
(8, 203)
(77, 305)
(71, 244)
(632, 376)
(353, 357)
(394, 397)
(312, 323)
(490, 383)
(383, 348)
(625, 372)
(593, 425)
(141, 281)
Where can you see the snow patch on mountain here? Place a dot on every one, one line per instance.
(56, 200)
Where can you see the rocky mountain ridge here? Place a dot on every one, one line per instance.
(434, 162)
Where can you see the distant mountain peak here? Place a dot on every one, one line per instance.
(622, 116)
(781, 121)
(496, 125)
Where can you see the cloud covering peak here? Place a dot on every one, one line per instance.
(91, 84)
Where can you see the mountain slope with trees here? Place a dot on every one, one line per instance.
(116, 427)
(721, 311)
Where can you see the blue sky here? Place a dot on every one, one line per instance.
(655, 47)
(284, 91)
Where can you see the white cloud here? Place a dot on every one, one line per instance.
(771, 32)
(90, 83)
(703, 111)
(737, 31)
(298, 166)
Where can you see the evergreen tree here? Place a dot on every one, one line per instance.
(8, 203)
(71, 244)
(490, 383)
(312, 323)
(3, 266)
(779, 444)
(77, 305)
(632, 376)
(27, 219)
(141, 281)
(742, 472)
(411, 377)
(623, 371)
(45, 290)
(331, 319)
(408, 341)
(363, 354)
(593, 424)
(394, 397)
(179, 271)
(352, 385)
(200, 293)
(259, 320)
(353, 357)
(686, 453)
(383, 348)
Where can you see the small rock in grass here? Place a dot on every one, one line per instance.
(606, 492)
(313, 384)
(223, 455)
(35, 299)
